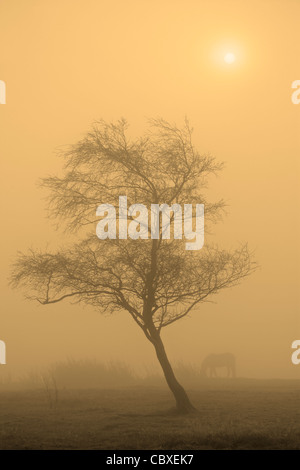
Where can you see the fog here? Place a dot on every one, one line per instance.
(67, 63)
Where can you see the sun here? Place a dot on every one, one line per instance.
(229, 58)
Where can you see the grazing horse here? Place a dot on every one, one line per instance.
(213, 361)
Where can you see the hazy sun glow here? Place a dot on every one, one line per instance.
(229, 58)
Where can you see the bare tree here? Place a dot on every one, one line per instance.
(156, 281)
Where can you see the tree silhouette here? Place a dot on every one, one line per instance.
(157, 281)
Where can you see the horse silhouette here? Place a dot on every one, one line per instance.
(211, 363)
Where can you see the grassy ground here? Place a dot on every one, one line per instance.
(233, 414)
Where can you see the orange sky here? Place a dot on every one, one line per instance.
(69, 62)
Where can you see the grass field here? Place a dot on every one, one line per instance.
(233, 414)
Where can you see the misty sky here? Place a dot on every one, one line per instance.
(67, 63)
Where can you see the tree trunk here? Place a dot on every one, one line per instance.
(183, 404)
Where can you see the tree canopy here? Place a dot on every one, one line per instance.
(156, 281)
